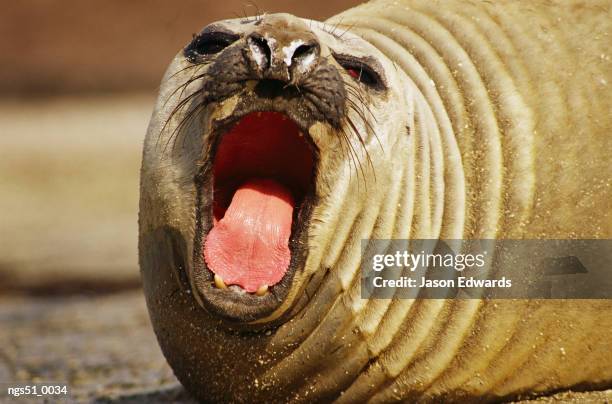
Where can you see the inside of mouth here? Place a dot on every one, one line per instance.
(262, 171)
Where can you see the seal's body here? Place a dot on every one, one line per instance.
(461, 119)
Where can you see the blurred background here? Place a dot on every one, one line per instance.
(78, 80)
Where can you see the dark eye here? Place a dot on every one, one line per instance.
(209, 43)
(360, 71)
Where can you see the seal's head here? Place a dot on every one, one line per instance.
(264, 130)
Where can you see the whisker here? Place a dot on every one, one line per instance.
(363, 145)
(361, 109)
(258, 12)
(351, 154)
(190, 66)
(356, 155)
(183, 86)
(345, 152)
(337, 25)
(347, 30)
(178, 107)
(190, 117)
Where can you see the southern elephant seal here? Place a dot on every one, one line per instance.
(278, 144)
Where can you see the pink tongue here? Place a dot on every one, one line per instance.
(249, 246)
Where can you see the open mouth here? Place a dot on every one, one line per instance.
(261, 181)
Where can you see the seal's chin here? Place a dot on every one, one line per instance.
(255, 202)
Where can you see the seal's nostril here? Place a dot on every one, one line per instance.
(302, 50)
(261, 51)
(287, 60)
(304, 54)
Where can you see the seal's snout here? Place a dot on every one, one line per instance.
(273, 63)
(285, 57)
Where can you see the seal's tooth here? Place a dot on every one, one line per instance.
(263, 289)
(219, 282)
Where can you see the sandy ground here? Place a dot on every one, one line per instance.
(101, 347)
